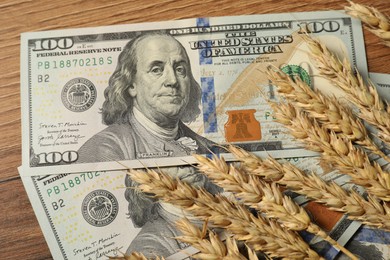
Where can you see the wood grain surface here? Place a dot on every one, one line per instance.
(20, 234)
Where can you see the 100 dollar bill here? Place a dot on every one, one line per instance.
(77, 89)
(92, 215)
(73, 228)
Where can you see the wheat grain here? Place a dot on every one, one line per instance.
(326, 110)
(377, 22)
(211, 247)
(257, 232)
(336, 151)
(266, 198)
(245, 187)
(371, 212)
(364, 96)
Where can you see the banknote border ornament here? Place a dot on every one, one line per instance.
(85, 92)
(103, 198)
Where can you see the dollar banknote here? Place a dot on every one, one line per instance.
(94, 215)
(151, 94)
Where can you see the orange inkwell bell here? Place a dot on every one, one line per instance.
(242, 126)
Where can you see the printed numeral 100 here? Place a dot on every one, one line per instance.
(57, 157)
(52, 44)
(317, 27)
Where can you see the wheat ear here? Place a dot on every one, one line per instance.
(336, 151)
(377, 22)
(257, 232)
(364, 96)
(371, 212)
(326, 110)
(264, 197)
(211, 247)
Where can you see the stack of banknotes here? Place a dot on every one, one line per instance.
(98, 101)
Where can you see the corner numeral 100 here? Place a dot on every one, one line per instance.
(52, 44)
(57, 157)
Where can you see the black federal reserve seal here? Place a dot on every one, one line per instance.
(99, 208)
(78, 94)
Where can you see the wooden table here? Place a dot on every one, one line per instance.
(20, 234)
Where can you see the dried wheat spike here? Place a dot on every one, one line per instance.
(377, 22)
(364, 96)
(211, 247)
(325, 110)
(336, 151)
(371, 212)
(252, 191)
(257, 232)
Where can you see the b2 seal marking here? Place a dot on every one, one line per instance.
(78, 94)
(99, 208)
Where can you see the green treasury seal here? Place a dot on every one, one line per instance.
(296, 70)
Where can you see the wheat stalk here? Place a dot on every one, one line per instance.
(326, 110)
(378, 23)
(338, 152)
(211, 247)
(257, 232)
(264, 197)
(364, 96)
(371, 212)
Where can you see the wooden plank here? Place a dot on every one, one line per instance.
(20, 236)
